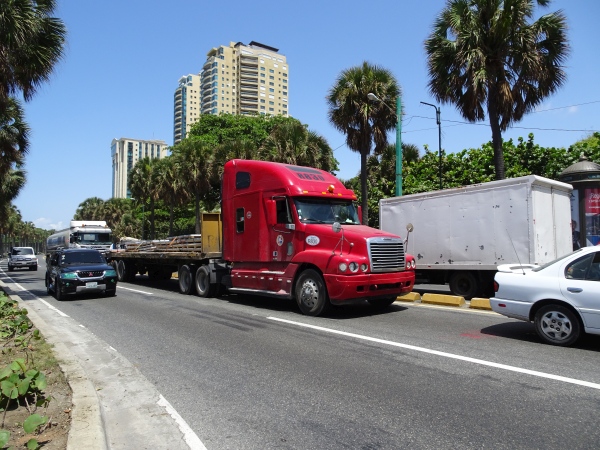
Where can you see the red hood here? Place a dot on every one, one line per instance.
(350, 231)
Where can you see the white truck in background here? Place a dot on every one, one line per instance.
(462, 234)
(82, 234)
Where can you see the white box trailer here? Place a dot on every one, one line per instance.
(462, 234)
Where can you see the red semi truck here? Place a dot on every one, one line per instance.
(286, 231)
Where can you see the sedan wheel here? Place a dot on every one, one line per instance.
(557, 325)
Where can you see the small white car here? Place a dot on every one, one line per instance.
(562, 298)
(22, 257)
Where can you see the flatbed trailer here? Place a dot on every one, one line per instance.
(181, 254)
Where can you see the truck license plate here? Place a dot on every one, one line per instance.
(91, 284)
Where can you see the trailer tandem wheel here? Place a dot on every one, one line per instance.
(186, 279)
(203, 286)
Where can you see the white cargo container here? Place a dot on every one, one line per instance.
(461, 235)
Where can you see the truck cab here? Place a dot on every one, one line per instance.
(294, 232)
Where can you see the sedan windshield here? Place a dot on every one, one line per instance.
(22, 251)
(323, 210)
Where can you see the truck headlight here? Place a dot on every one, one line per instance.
(110, 273)
(343, 266)
(364, 267)
(353, 267)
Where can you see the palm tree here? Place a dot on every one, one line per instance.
(195, 157)
(10, 185)
(141, 185)
(9, 218)
(362, 121)
(291, 142)
(90, 209)
(14, 135)
(487, 56)
(171, 188)
(31, 43)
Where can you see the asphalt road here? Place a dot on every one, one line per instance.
(251, 373)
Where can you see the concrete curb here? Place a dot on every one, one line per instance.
(446, 300)
(480, 303)
(87, 428)
(441, 299)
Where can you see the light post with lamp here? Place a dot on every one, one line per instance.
(398, 114)
(439, 124)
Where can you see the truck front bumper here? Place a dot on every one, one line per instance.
(342, 288)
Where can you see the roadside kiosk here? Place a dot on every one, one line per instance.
(584, 175)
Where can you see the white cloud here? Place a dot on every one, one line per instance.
(46, 224)
(573, 109)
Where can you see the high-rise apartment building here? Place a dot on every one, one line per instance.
(245, 79)
(187, 105)
(125, 153)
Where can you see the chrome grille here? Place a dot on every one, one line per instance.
(386, 254)
(90, 273)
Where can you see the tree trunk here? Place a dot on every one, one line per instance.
(152, 227)
(171, 217)
(496, 136)
(197, 201)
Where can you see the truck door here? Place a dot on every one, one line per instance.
(281, 235)
(248, 228)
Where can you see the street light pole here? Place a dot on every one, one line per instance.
(398, 114)
(438, 119)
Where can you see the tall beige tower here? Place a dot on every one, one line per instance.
(187, 106)
(125, 153)
(245, 79)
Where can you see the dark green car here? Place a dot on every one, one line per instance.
(79, 270)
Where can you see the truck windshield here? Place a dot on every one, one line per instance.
(323, 210)
(94, 238)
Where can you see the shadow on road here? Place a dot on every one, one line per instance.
(524, 331)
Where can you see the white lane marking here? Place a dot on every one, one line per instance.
(135, 290)
(52, 307)
(192, 440)
(445, 355)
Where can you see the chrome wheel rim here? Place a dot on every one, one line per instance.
(556, 326)
(310, 293)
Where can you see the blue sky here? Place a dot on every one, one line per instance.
(124, 58)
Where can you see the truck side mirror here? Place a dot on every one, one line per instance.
(271, 207)
(360, 215)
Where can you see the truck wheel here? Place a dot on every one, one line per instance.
(120, 268)
(186, 279)
(557, 325)
(203, 286)
(464, 284)
(311, 294)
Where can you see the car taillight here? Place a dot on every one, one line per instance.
(496, 286)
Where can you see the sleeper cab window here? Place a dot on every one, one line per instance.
(242, 180)
(239, 220)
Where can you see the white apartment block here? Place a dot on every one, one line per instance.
(125, 153)
(245, 79)
(187, 106)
